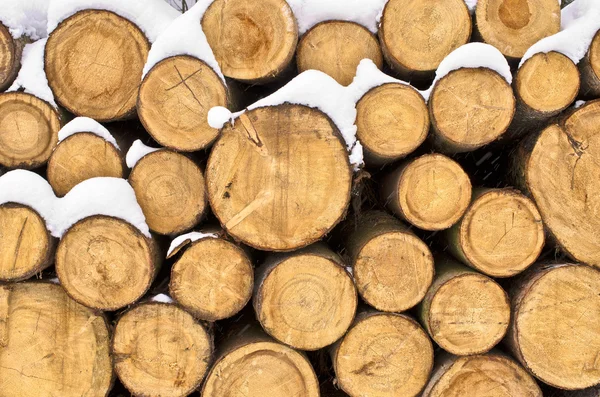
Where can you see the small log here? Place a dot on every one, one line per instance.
(93, 62)
(512, 26)
(253, 42)
(105, 263)
(80, 157)
(383, 354)
(464, 312)
(431, 192)
(589, 68)
(213, 279)
(392, 267)
(469, 108)
(28, 130)
(51, 345)
(479, 375)
(174, 100)
(10, 57)
(306, 299)
(170, 189)
(160, 350)
(416, 35)
(279, 178)
(27, 248)
(554, 332)
(392, 121)
(500, 235)
(336, 48)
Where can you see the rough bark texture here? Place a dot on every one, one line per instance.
(10, 57)
(589, 67)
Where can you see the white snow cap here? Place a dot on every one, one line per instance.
(85, 124)
(368, 76)
(136, 152)
(96, 196)
(25, 17)
(184, 36)
(472, 4)
(161, 298)
(151, 16)
(32, 77)
(308, 13)
(192, 236)
(580, 21)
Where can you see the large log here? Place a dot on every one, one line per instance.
(10, 57)
(279, 178)
(93, 62)
(51, 345)
(554, 332)
(589, 67)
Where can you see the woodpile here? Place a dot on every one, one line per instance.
(274, 198)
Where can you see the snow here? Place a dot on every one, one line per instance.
(32, 77)
(25, 17)
(151, 16)
(472, 4)
(218, 116)
(85, 124)
(184, 36)
(136, 152)
(162, 298)
(191, 236)
(368, 76)
(30, 189)
(580, 21)
(579, 104)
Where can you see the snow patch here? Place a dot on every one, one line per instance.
(218, 116)
(161, 298)
(472, 4)
(368, 76)
(85, 124)
(579, 104)
(136, 152)
(25, 17)
(192, 236)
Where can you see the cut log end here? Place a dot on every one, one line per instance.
(94, 61)
(336, 48)
(590, 70)
(174, 100)
(68, 343)
(28, 130)
(253, 41)
(160, 350)
(80, 157)
(105, 263)
(416, 35)
(512, 26)
(384, 355)
(279, 179)
(9, 58)
(170, 189)
(392, 120)
(213, 279)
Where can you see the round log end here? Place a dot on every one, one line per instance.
(94, 61)
(8, 58)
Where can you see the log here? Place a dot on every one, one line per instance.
(105, 263)
(306, 299)
(492, 374)
(336, 48)
(80, 157)
(383, 354)
(253, 42)
(93, 61)
(51, 345)
(174, 99)
(392, 267)
(279, 178)
(213, 279)
(392, 121)
(170, 189)
(558, 167)
(470, 108)
(28, 130)
(27, 248)
(431, 192)
(554, 332)
(463, 311)
(589, 68)
(500, 235)
(160, 350)
(10, 57)
(416, 35)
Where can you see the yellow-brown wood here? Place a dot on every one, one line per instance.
(279, 179)
(28, 130)
(590, 70)
(512, 26)
(170, 189)
(80, 157)
(213, 279)
(93, 62)
(51, 345)
(174, 100)
(160, 350)
(253, 41)
(10, 57)
(336, 48)
(105, 263)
